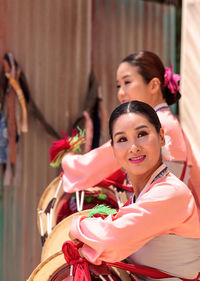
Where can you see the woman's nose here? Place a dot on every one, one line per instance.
(134, 148)
(121, 91)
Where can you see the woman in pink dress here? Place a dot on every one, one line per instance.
(140, 76)
(160, 227)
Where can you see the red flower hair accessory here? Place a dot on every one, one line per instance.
(67, 144)
(171, 80)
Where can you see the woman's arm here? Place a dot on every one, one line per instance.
(87, 170)
(164, 209)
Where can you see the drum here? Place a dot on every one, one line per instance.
(55, 204)
(59, 235)
(46, 219)
(55, 268)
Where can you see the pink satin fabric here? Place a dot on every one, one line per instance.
(180, 150)
(83, 171)
(166, 206)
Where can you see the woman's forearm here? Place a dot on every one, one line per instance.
(87, 170)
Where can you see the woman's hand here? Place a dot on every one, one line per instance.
(93, 191)
(68, 153)
(76, 241)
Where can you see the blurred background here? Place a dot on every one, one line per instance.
(64, 48)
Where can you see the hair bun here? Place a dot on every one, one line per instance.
(169, 97)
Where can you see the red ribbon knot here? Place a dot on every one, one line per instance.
(80, 265)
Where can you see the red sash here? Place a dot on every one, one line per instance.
(81, 265)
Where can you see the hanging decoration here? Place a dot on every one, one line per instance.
(16, 104)
(93, 116)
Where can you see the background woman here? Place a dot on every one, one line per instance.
(140, 76)
(160, 228)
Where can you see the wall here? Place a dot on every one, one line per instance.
(190, 73)
(56, 42)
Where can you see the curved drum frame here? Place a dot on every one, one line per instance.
(48, 201)
(59, 235)
(55, 268)
(47, 269)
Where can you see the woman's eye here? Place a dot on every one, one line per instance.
(122, 139)
(124, 83)
(142, 134)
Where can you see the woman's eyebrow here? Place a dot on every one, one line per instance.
(119, 133)
(125, 76)
(137, 128)
(141, 127)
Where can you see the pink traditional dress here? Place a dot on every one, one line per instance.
(177, 152)
(84, 171)
(160, 230)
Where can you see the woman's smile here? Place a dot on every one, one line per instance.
(137, 159)
(136, 144)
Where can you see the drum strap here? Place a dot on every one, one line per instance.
(186, 161)
(81, 272)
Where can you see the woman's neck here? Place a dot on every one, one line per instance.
(140, 181)
(157, 99)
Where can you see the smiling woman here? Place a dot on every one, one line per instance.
(160, 228)
(136, 137)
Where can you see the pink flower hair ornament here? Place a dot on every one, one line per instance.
(171, 80)
(67, 144)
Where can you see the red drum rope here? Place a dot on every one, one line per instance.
(81, 265)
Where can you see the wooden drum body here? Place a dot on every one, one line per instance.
(55, 204)
(55, 268)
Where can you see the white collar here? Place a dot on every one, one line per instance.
(159, 106)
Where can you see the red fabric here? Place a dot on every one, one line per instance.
(81, 265)
(65, 144)
(183, 171)
(116, 179)
(59, 146)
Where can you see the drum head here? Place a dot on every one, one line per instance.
(66, 204)
(55, 268)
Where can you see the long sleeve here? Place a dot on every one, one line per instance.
(178, 149)
(84, 171)
(166, 208)
(175, 145)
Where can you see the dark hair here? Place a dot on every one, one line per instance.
(134, 107)
(150, 66)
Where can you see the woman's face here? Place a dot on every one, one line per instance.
(137, 144)
(131, 85)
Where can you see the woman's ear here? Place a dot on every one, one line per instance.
(162, 137)
(155, 84)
